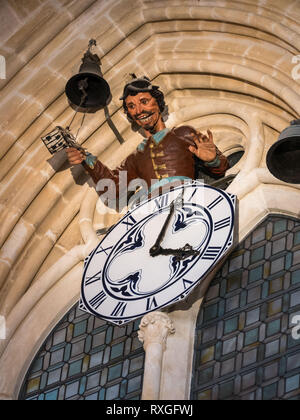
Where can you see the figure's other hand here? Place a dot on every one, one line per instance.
(75, 157)
(204, 148)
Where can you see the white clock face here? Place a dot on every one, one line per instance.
(122, 281)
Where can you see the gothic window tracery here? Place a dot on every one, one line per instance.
(244, 347)
(85, 358)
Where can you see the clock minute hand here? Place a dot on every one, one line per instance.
(155, 249)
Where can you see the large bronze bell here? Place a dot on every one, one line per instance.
(283, 158)
(87, 91)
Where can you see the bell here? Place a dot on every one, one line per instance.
(283, 157)
(87, 91)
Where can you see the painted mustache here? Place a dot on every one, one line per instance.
(143, 115)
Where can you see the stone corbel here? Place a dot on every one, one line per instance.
(155, 328)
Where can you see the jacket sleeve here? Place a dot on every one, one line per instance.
(217, 167)
(98, 171)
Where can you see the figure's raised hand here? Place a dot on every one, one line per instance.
(204, 148)
(75, 157)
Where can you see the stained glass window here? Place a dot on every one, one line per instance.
(244, 346)
(86, 358)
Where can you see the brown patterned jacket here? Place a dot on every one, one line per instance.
(170, 157)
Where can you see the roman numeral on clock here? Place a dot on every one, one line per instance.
(221, 224)
(98, 300)
(215, 202)
(130, 221)
(93, 279)
(103, 250)
(162, 201)
(186, 283)
(211, 253)
(119, 309)
(151, 303)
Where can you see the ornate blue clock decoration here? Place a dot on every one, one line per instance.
(158, 252)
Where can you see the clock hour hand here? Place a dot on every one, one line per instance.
(180, 253)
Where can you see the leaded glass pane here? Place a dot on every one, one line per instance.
(244, 347)
(86, 358)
